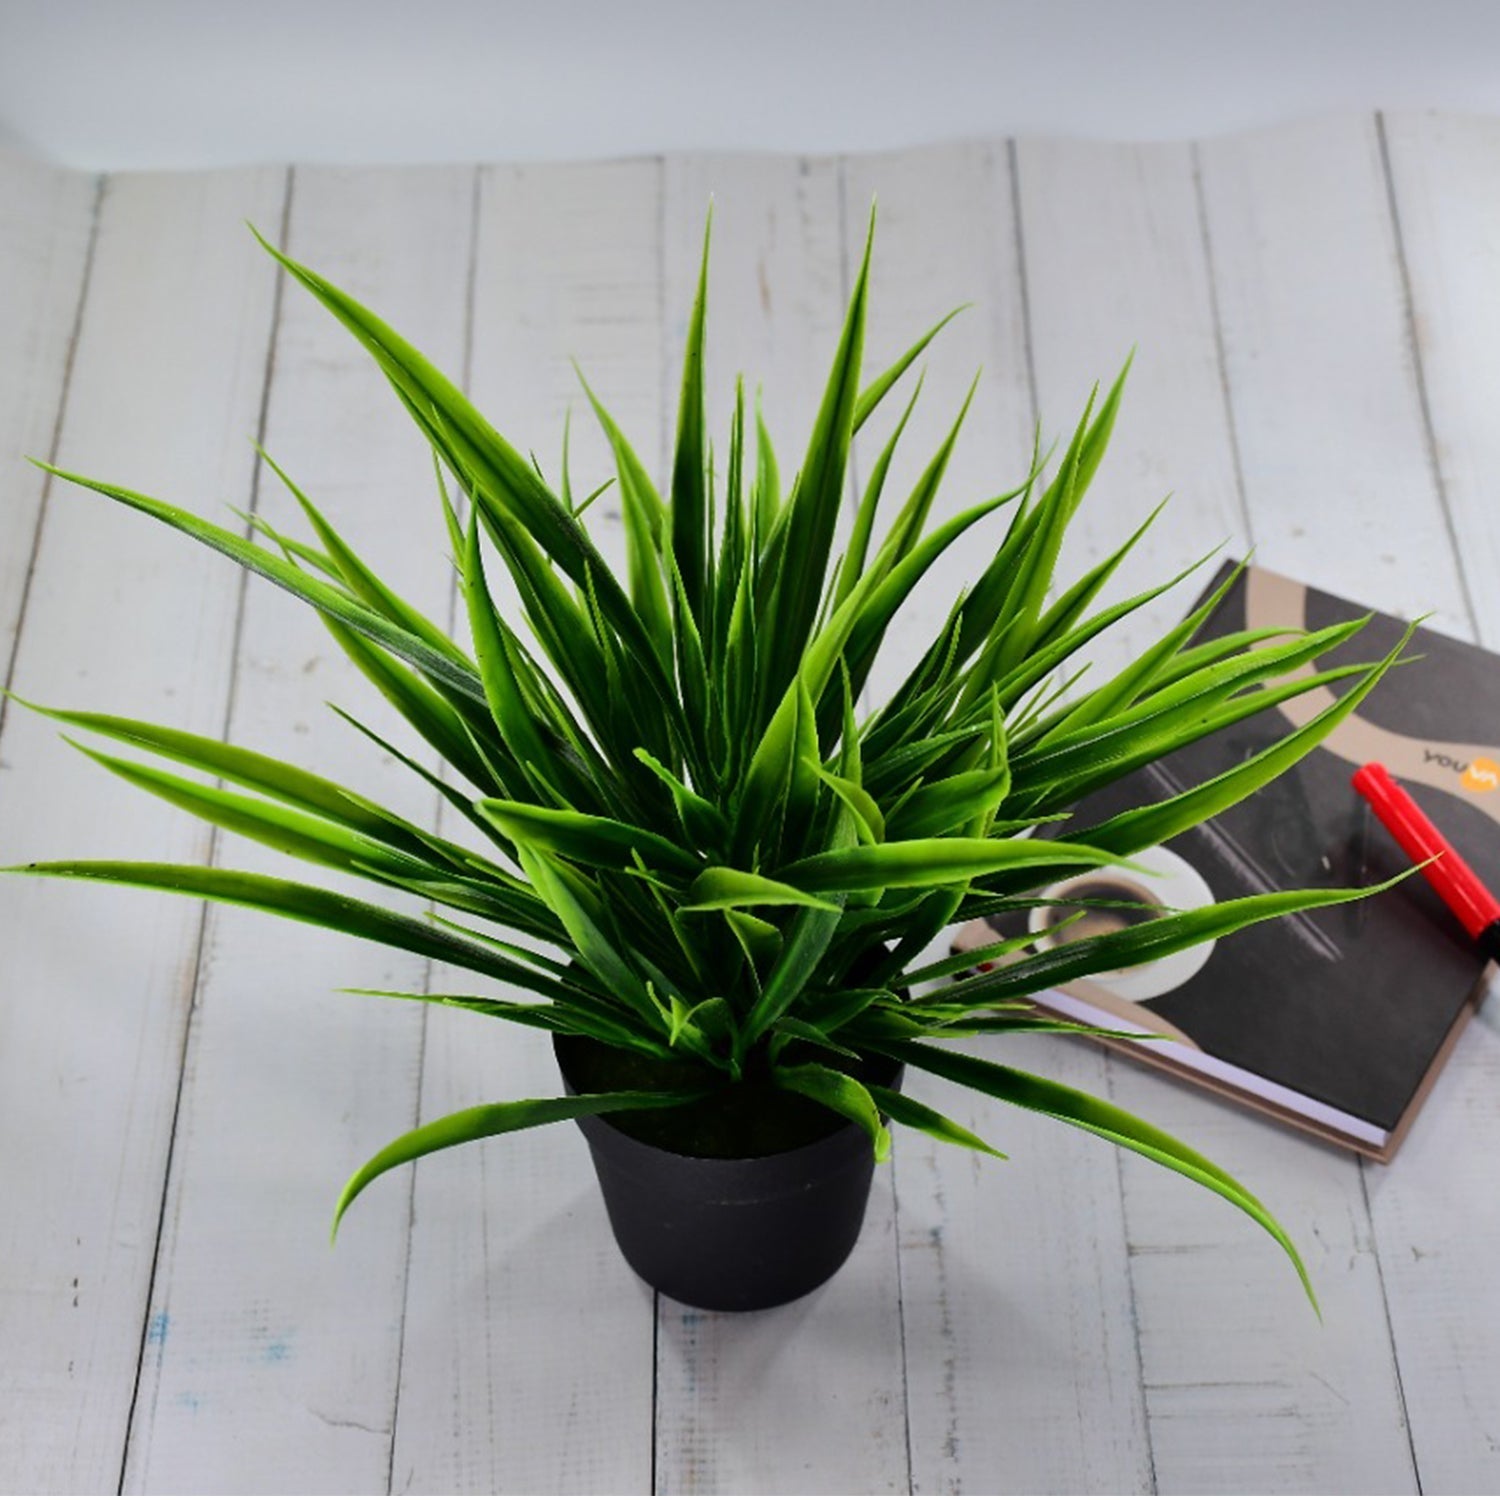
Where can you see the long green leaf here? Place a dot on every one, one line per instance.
(421, 705)
(487, 1120)
(504, 481)
(875, 392)
(811, 933)
(1026, 597)
(698, 692)
(645, 520)
(1132, 682)
(1062, 616)
(841, 1093)
(581, 914)
(942, 806)
(513, 715)
(1146, 941)
(721, 889)
(288, 829)
(565, 1017)
(987, 953)
(767, 779)
(928, 862)
(907, 527)
(261, 773)
(455, 799)
(869, 821)
(323, 597)
(586, 839)
(568, 637)
(689, 507)
(905, 1110)
(300, 903)
(704, 826)
(864, 519)
(1137, 746)
(361, 580)
(1145, 827)
(814, 508)
(873, 611)
(1095, 741)
(1057, 648)
(794, 1029)
(767, 491)
(1100, 1118)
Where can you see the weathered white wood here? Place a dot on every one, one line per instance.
(1330, 445)
(527, 1363)
(1114, 257)
(1114, 262)
(1442, 169)
(1244, 1387)
(1327, 414)
(1433, 1217)
(271, 1362)
(1119, 257)
(166, 382)
(46, 225)
(525, 1359)
(807, 1398)
(1021, 1367)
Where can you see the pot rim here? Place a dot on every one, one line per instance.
(838, 1137)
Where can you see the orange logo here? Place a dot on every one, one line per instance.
(1482, 775)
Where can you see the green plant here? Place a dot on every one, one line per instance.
(684, 842)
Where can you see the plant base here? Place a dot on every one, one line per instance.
(731, 1233)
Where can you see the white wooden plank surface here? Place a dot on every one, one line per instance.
(1323, 389)
(1435, 1216)
(1333, 463)
(527, 1363)
(46, 228)
(1021, 1364)
(1124, 1333)
(166, 382)
(804, 1399)
(271, 1361)
(1442, 170)
(1115, 261)
(1119, 255)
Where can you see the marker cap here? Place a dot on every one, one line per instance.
(1461, 889)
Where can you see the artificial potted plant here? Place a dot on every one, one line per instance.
(686, 854)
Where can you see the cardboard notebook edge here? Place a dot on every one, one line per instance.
(1145, 1053)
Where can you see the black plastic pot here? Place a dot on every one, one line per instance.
(732, 1233)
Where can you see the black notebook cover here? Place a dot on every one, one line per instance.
(1338, 1016)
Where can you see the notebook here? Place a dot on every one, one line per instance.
(1338, 1020)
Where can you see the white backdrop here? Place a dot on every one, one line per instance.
(108, 84)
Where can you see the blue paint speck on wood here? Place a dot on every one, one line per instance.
(277, 1352)
(156, 1329)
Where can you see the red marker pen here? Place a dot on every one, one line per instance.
(1464, 893)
